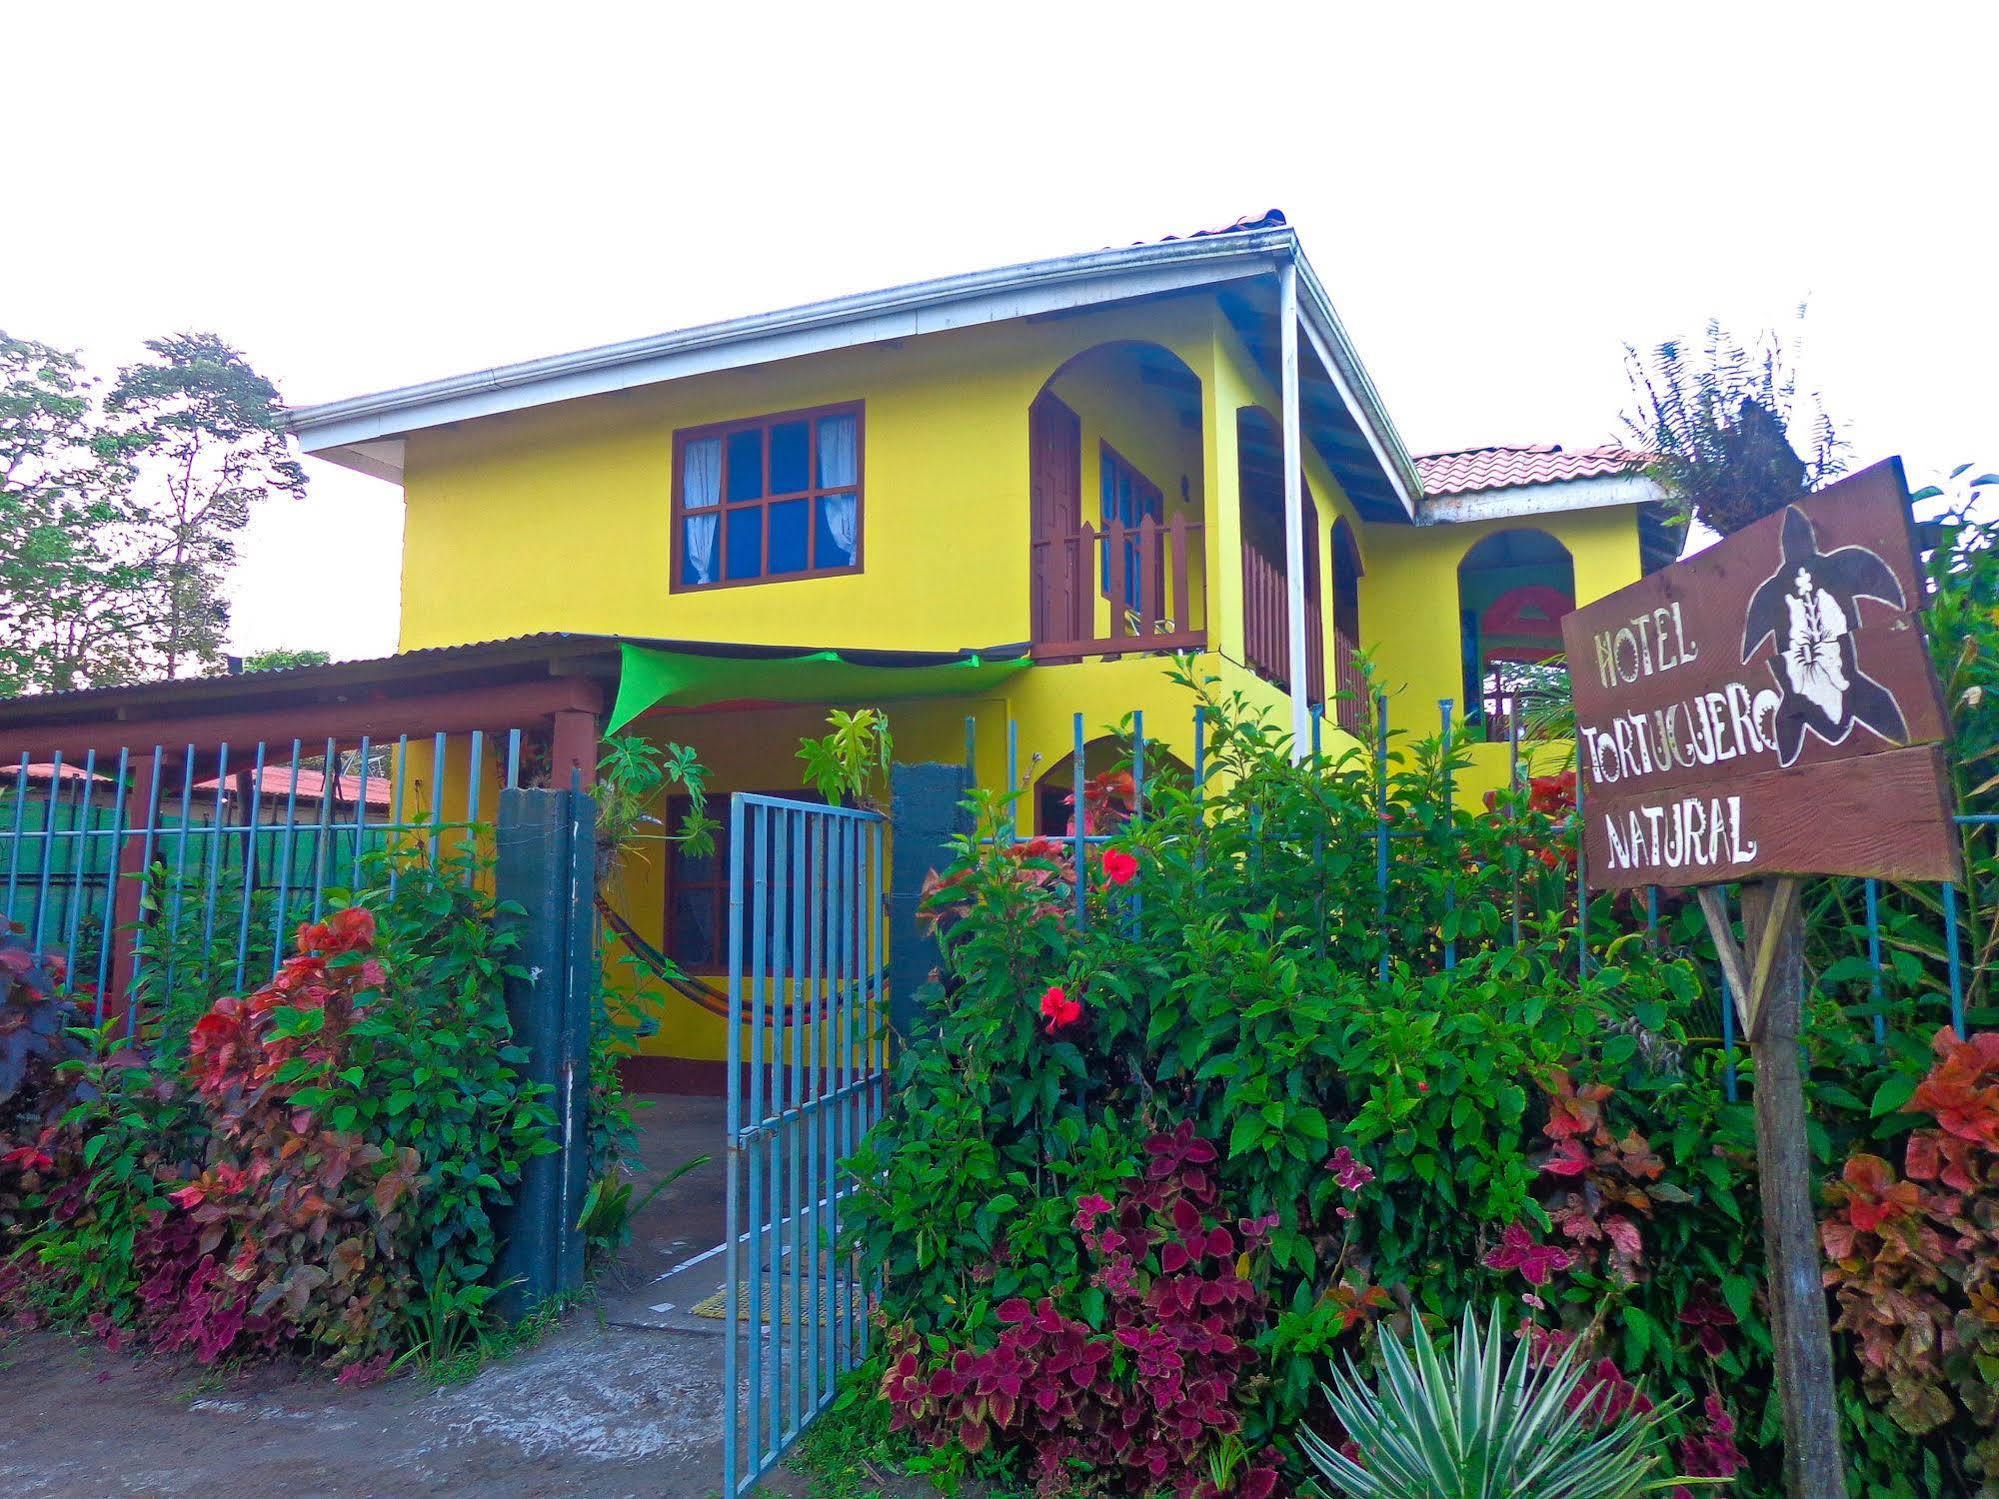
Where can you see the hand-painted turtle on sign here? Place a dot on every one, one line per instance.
(1768, 705)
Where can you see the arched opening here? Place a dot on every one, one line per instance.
(1107, 763)
(1513, 589)
(1265, 581)
(1349, 690)
(1115, 465)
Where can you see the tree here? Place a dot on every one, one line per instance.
(118, 514)
(60, 476)
(211, 432)
(1723, 422)
(284, 658)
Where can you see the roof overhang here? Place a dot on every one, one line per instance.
(365, 432)
(1660, 533)
(1540, 499)
(488, 685)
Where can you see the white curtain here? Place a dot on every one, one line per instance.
(701, 489)
(837, 467)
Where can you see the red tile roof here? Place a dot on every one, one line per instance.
(276, 783)
(1270, 218)
(1473, 469)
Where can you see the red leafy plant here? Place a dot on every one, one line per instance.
(1913, 1260)
(293, 1230)
(1132, 1400)
(1599, 1186)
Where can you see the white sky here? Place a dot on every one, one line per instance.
(1496, 196)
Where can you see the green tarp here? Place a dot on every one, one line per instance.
(650, 677)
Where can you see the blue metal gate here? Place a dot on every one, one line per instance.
(807, 1080)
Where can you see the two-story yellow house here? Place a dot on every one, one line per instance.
(998, 497)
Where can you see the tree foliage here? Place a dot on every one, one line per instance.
(119, 507)
(284, 658)
(1724, 422)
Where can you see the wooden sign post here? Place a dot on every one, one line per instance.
(1766, 710)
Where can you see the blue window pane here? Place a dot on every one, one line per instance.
(788, 523)
(746, 467)
(746, 543)
(790, 454)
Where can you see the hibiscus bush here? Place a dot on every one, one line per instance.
(1145, 1176)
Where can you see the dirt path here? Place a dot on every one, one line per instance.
(623, 1399)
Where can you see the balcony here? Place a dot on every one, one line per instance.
(1119, 590)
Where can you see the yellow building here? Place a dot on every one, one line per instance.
(1041, 478)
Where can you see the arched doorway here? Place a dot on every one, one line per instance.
(1513, 589)
(1116, 530)
(1106, 764)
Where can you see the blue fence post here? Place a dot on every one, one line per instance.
(1582, 884)
(1200, 750)
(1444, 707)
(1728, 1082)
(1137, 797)
(1874, 992)
(1956, 959)
(1381, 823)
(1078, 826)
(1013, 777)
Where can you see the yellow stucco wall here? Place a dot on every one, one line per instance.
(557, 518)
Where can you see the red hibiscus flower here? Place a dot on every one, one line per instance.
(1120, 868)
(1059, 1009)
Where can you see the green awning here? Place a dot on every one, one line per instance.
(650, 678)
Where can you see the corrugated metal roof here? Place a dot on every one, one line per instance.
(366, 432)
(1470, 470)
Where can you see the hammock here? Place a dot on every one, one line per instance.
(703, 995)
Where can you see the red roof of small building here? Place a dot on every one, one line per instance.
(276, 783)
(1472, 469)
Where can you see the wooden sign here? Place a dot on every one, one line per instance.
(1768, 705)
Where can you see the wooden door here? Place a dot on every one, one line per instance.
(1055, 479)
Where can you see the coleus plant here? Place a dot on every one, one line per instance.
(1913, 1260)
(1133, 1402)
(293, 1228)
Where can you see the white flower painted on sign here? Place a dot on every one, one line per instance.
(1811, 646)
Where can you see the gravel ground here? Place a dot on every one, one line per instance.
(623, 1399)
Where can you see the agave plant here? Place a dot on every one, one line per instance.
(1481, 1427)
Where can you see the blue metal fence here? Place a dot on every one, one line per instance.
(170, 870)
(807, 1081)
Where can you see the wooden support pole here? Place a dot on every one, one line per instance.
(1773, 927)
(129, 880)
(573, 749)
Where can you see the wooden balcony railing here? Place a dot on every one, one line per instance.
(1266, 627)
(1117, 590)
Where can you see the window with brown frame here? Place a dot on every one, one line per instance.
(697, 893)
(766, 498)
